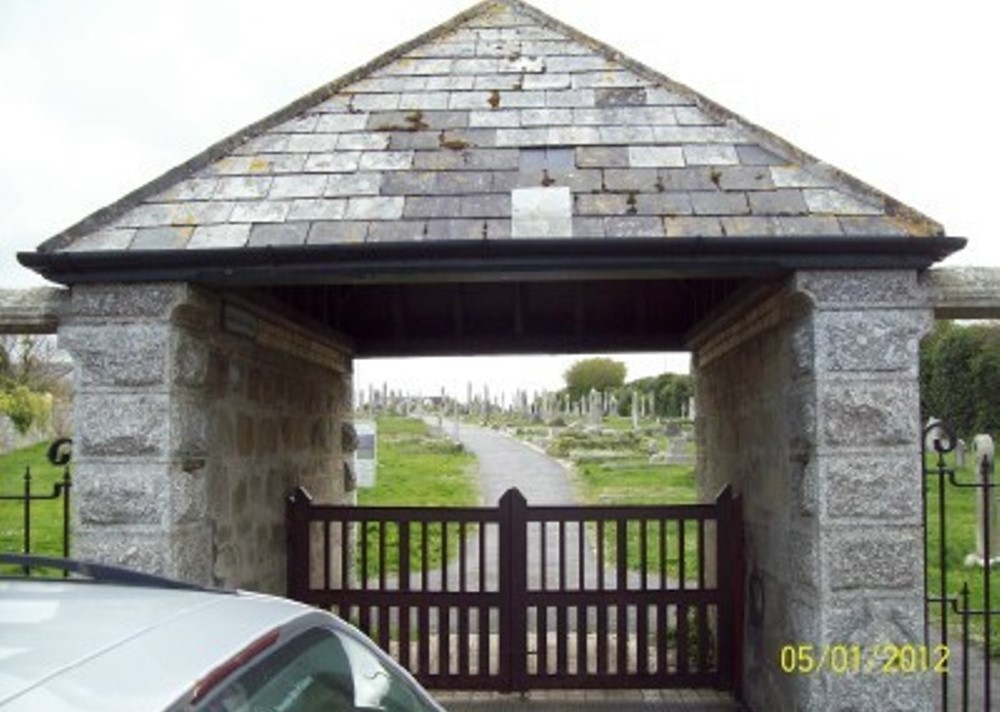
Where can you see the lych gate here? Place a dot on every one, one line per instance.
(503, 184)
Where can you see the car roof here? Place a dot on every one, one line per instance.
(82, 645)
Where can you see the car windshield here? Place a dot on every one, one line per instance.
(321, 670)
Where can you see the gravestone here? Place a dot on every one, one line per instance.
(365, 464)
(960, 453)
(677, 451)
(984, 466)
(596, 417)
(935, 431)
(635, 410)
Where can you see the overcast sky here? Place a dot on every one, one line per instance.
(99, 97)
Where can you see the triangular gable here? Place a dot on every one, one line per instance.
(502, 123)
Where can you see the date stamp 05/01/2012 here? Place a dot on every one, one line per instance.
(855, 659)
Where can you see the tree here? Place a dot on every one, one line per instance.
(27, 379)
(599, 374)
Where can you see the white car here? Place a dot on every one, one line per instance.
(117, 640)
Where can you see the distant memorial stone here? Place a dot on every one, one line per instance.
(984, 465)
(960, 453)
(364, 457)
(935, 431)
(596, 410)
(635, 410)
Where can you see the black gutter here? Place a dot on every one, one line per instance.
(479, 260)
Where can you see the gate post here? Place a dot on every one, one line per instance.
(730, 581)
(297, 552)
(513, 591)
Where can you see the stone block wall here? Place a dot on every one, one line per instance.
(808, 402)
(189, 434)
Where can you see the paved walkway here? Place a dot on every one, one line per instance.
(504, 463)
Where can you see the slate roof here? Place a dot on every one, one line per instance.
(502, 110)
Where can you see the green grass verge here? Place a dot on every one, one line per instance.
(960, 540)
(416, 468)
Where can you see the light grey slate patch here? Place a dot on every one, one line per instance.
(659, 96)
(424, 101)
(751, 226)
(711, 154)
(496, 159)
(191, 189)
(499, 48)
(341, 123)
(570, 98)
(349, 184)
(634, 227)
(375, 102)
(386, 85)
(148, 215)
(717, 203)
(625, 96)
(380, 208)
(497, 82)
(334, 162)
(386, 161)
(318, 209)
(414, 140)
(579, 63)
(300, 124)
(161, 238)
(338, 104)
(284, 163)
(490, 205)
(233, 165)
(409, 183)
(262, 212)
(663, 204)
(602, 156)
(546, 117)
(836, 202)
(871, 226)
(809, 226)
(305, 185)
(785, 201)
(337, 232)
(109, 239)
(697, 134)
(743, 178)
(462, 182)
(637, 179)
(753, 155)
(573, 135)
(477, 65)
(362, 142)
(501, 118)
(626, 134)
(242, 187)
(432, 207)
(450, 83)
(201, 213)
(212, 236)
(265, 143)
(521, 99)
(312, 143)
(588, 227)
(456, 229)
(608, 80)
(397, 231)
(601, 204)
(546, 81)
(655, 157)
(473, 99)
(797, 177)
(284, 234)
(577, 180)
(693, 227)
(498, 229)
(555, 157)
(553, 48)
(541, 212)
(439, 48)
(438, 160)
(698, 178)
(522, 137)
(417, 67)
(692, 116)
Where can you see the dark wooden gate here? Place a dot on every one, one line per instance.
(516, 597)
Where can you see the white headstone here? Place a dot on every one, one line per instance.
(984, 465)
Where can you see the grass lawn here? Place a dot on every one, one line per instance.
(416, 468)
(960, 540)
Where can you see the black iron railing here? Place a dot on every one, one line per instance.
(946, 608)
(59, 454)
